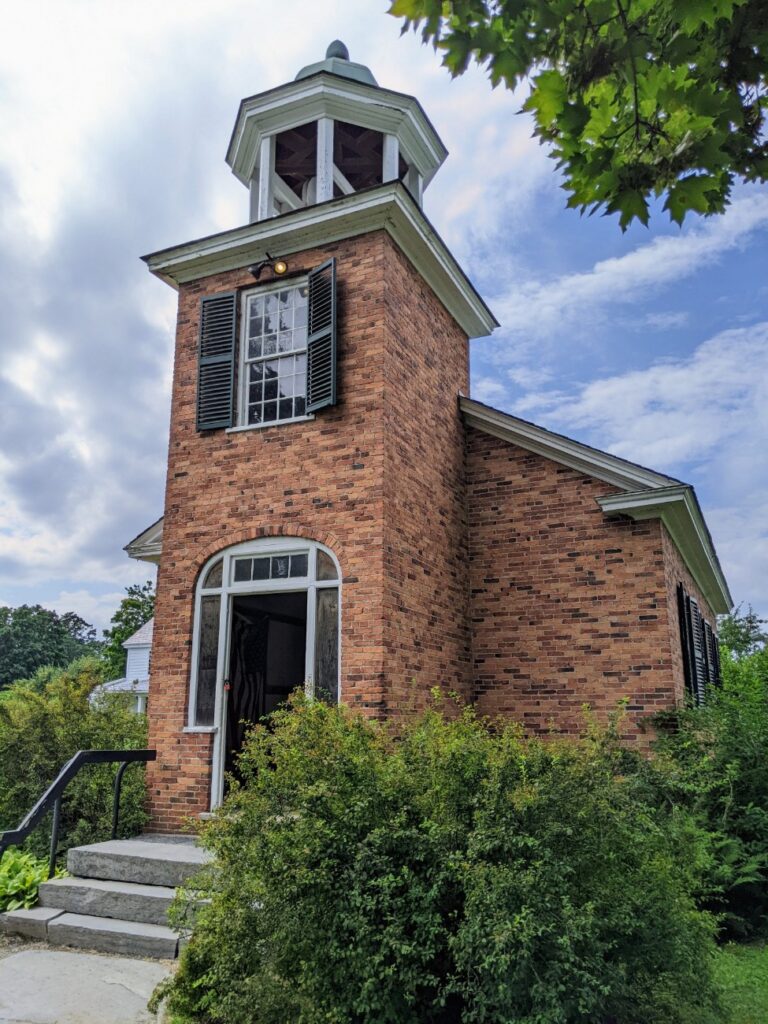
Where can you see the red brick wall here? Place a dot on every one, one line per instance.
(568, 606)
(377, 478)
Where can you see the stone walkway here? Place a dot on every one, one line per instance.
(40, 985)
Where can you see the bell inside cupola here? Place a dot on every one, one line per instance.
(330, 133)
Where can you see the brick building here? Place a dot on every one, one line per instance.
(339, 515)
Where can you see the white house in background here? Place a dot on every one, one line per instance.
(136, 680)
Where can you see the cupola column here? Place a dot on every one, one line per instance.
(324, 159)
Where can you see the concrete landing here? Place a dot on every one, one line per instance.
(40, 986)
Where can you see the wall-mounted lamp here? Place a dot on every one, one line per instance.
(279, 267)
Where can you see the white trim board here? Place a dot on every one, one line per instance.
(387, 207)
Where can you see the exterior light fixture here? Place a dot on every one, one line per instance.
(279, 267)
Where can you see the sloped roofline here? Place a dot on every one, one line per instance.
(645, 494)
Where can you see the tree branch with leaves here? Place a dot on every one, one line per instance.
(637, 99)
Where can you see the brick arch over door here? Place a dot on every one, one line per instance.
(247, 535)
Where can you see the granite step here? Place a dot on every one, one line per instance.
(96, 897)
(143, 861)
(32, 924)
(108, 935)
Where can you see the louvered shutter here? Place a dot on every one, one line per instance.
(713, 655)
(699, 653)
(216, 361)
(686, 639)
(321, 338)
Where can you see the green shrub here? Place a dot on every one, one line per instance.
(43, 722)
(21, 875)
(714, 762)
(442, 870)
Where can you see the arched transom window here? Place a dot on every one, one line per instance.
(266, 622)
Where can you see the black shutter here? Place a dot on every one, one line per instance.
(686, 639)
(713, 655)
(321, 338)
(699, 653)
(216, 361)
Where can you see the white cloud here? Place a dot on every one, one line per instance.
(666, 321)
(576, 302)
(704, 419)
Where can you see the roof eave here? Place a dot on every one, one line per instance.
(564, 450)
(678, 508)
(388, 207)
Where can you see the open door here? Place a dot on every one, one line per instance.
(267, 655)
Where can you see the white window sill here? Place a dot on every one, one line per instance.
(200, 728)
(265, 426)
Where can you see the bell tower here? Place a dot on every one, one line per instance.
(331, 132)
(316, 468)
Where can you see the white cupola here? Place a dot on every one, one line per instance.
(331, 132)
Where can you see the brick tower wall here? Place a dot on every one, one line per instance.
(377, 485)
(568, 606)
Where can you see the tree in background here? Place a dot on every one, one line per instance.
(32, 636)
(638, 98)
(741, 633)
(136, 608)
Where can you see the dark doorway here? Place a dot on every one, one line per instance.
(266, 662)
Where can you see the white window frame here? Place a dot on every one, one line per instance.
(308, 584)
(243, 362)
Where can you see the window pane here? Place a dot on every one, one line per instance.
(270, 344)
(326, 570)
(254, 348)
(261, 568)
(242, 570)
(279, 567)
(208, 652)
(299, 565)
(327, 645)
(214, 575)
(254, 414)
(270, 412)
(285, 412)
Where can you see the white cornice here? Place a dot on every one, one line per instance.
(591, 461)
(388, 207)
(148, 546)
(328, 95)
(679, 510)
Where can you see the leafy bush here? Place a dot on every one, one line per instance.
(442, 870)
(715, 763)
(21, 875)
(43, 722)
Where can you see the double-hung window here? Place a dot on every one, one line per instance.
(274, 355)
(268, 355)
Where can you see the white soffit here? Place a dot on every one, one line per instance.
(148, 546)
(679, 510)
(328, 95)
(387, 207)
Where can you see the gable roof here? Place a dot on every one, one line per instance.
(143, 635)
(645, 494)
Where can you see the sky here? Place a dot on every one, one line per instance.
(115, 120)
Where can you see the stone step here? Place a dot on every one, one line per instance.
(147, 862)
(107, 935)
(33, 924)
(96, 897)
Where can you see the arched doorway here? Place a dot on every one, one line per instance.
(267, 618)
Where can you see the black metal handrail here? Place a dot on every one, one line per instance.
(52, 796)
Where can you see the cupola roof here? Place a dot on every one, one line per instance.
(337, 62)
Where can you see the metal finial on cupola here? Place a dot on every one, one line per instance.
(337, 49)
